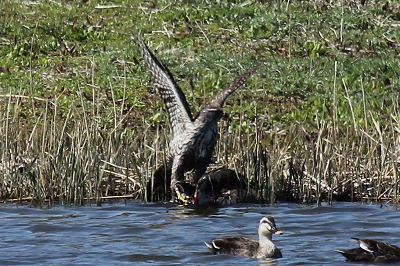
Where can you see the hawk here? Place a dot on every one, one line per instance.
(193, 138)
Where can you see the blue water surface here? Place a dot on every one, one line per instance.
(134, 233)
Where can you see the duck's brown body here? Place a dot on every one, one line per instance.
(245, 247)
(372, 251)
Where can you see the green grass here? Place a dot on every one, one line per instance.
(323, 106)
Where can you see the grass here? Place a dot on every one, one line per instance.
(320, 120)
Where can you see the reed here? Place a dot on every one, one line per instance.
(69, 158)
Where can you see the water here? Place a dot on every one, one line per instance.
(160, 234)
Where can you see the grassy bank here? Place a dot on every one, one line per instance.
(79, 118)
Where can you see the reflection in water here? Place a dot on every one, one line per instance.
(165, 234)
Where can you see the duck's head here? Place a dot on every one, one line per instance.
(268, 227)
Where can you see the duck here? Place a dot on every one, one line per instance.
(220, 186)
(248, 247)
(371, 251)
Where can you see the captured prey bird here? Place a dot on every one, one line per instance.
(260, 248)
(194, 138)
(372, 251)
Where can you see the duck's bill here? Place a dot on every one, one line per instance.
(279, 232)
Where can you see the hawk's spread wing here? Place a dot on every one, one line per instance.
(175, 101)
(219, 99)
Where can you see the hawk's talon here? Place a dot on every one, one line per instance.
(181, 196)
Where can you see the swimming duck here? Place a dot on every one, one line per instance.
(372, 251)
(249, 247)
